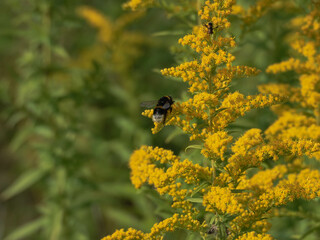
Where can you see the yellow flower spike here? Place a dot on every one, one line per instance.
(250, 150)
(129, 234)
(306, 42)
(249, 140)
(96, 19)
(237, 105)
(173, 223)
(255, 236)
(138, 4)
(210, 109)
(144, 170)
(264, 180)
(215, 145)
(148, 113)
(298, 185)
(221, 200)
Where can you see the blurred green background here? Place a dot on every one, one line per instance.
(70, 93)
(71, 116)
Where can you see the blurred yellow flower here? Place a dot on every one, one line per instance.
(99, 21)
(137, 4)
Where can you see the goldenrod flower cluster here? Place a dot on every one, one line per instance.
(96, 19)
(137, 4)
(215, 145)
(296, 126)
(254, 236)
(224, 201)
(254, 12)
(308, 66)
(144, 164)
(260, 8)
(225, 193)
(122, 45)
(209, 78)
(130, 234)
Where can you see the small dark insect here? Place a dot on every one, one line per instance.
(213, 229)
(163, 105)
(210, 28)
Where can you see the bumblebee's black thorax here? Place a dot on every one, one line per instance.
(166, 99)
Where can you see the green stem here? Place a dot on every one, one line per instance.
(210, 91)
(213, 171)
(47, 29)
(317, 113)
(198, 9)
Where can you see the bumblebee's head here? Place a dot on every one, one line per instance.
(170, 99)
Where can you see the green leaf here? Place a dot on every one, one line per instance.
(56, 227)
(201, 186)
(234, 131)
(194, 147)
(228, 218)
(213, 219)
(174, 134)
(218, 111)
(242, 127)
(60, 51)
(119, 92)
(26, 230)
(195, 200)
(44, 131)
(238, 190)
(219, 89)
(26, 180)
(21, 137)
(120, 149)
(168, 33)
(121, 189)
(122, 216)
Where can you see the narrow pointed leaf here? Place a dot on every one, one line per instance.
(194, 147)
(24, 182)
(195, 200)
(26, 230)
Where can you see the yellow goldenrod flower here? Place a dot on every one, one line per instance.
(215, 145)
(177, 221)
(130, 234)
(222, 201)
(307, 67)
(122, 46)
(99, 21)
(254, 236)
(143, 164)
(292, 94)
(137, 4)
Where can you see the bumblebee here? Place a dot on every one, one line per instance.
(160, 111)
(210, 28)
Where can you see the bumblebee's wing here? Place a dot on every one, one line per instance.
(166, 105)
(148, 104)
